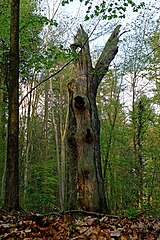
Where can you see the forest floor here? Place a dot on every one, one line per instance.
(77, 225)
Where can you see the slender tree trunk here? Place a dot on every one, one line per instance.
(28, 146)
(2, 133)
(139, 150)
(55, 127)
(46, 114)
(3, 113)
(86, 187)
(112, 117)
(63, 128)
(12, 167)
(134, 134)
(137, 114)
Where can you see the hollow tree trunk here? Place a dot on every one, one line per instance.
(85, 183)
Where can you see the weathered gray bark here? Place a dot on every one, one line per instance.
(86, 188)
(12, 165)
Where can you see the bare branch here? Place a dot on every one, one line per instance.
(46, 79)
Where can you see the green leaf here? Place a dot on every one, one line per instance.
(86, 2)
(53, 23)
(97, 7)
(126, 4)
(86, 18)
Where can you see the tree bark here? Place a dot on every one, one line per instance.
(3, 113)
(86, 188)
(12, 167)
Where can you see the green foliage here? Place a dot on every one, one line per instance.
(40, 184)
(4, 20)
(115, 9)
(38, 193)
(121, 181)
(145, 210)
(119, 133)
(31, 44)
(41, 188)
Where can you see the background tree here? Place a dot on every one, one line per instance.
(12, 165)
(31, 25)
(4, 56)
(136, 68)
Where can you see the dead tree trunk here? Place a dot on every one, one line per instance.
(85, 183)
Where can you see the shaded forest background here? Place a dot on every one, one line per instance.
(128, 104)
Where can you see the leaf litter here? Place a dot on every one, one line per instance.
(73, 225)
